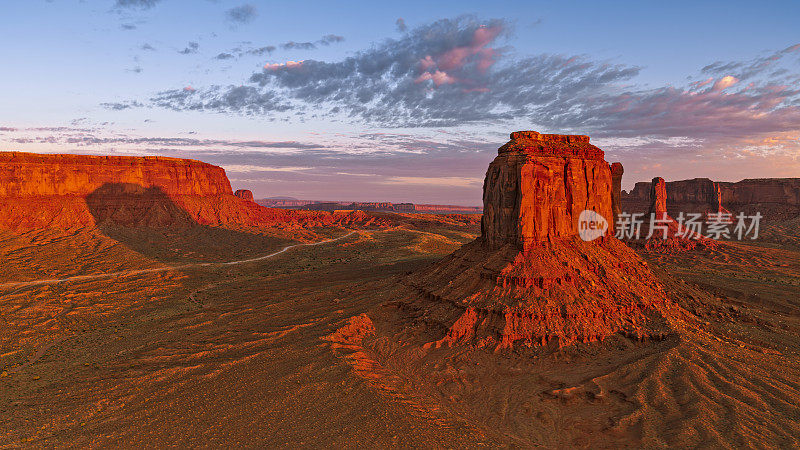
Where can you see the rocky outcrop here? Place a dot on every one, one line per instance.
(32, 174)
(539, 184)
(616, 192)
(658, 197)
(244, 194)
(68, 191)
(784, 191)
(705, 195)
(529, 278)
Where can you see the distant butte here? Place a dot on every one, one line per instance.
(244, 194)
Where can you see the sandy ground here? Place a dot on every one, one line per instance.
(296, 350)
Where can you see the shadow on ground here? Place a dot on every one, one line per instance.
(150, 222)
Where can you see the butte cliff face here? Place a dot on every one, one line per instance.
(31, 175)
(538, 185)
(66, 191)
(774, 196)
(529, 278)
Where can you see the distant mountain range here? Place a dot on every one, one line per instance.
(316, 205)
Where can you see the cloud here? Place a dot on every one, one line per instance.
(239, 99)
(745, 70)
(329, 39)
(120, 106)
(245, 168)
(725, 82)
(128, 26)
(142, 4)
(148, 47)
(192, 47)
(326, 40)
(434, 181)
(260, 51)
(291, 45)
(457, 72)
(242, 14)
(400, 24)
(286, 65)
(224, 56)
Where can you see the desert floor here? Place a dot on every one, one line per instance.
(259, 353)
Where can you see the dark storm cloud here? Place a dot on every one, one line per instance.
(242, 14)
(190, 48)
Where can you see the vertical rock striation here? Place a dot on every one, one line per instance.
(538, 185)
(658, 197)
(616, 192)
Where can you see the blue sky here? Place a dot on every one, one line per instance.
(405, 101)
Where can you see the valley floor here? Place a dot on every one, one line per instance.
(261, 354)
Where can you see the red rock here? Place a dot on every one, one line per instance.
(538, 185)
(67, 191)
(244, 194)
(616, 192)
(779, 196)
(658, 197)
(32, 174)
(529, 278)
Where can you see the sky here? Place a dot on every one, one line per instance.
(404, 101)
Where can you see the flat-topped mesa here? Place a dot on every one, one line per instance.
(537, 187)
(33, 174)
(564, 145)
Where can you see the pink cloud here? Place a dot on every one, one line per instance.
(439, 78)
(457, 58)
(426, 63)
(287, 65)
(725, 82)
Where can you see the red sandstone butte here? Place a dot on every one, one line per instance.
(66, 191)
(244, 194)
(538, 185)
(529, 278)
